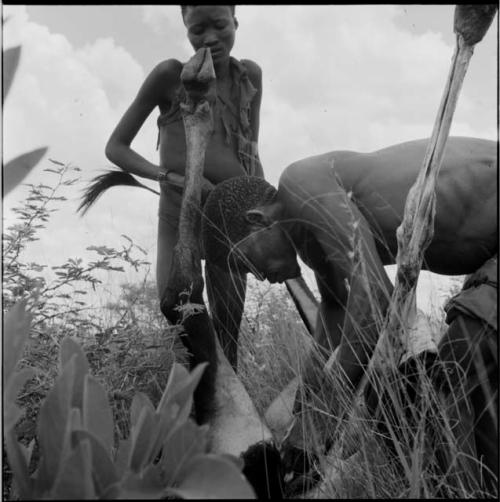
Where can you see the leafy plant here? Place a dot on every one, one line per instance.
(59, 299)
(16, 330)
(16, 169)
(165, 454)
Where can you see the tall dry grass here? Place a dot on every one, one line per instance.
(392, 455)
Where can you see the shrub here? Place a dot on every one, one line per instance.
(74, 444)
(165, 454)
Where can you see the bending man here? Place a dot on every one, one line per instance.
(339, 211)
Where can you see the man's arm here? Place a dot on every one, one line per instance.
(159, 84)
(340, 247)
(355, 288)
(368, 291)
(255, 76)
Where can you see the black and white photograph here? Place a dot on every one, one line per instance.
(250, 251)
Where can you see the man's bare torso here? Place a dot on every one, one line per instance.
(466, 226)
(221, 159)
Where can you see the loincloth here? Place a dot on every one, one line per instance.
(479, 296)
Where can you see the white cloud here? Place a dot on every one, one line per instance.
(166, 22)
(162, 18)
(66, 98)
(345, 77)
(109, 63)
(70, 100)
(334, 77)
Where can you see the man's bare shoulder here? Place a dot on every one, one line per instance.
(168, 71)
(254, 71)
(304, 182)
(317, 172)
(161, 84)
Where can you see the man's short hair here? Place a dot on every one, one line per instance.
(224, 221)
(185, 7)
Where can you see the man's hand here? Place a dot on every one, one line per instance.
(177, 180)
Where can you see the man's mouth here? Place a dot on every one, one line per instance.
(216, 52)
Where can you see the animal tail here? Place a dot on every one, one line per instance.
(104, 181)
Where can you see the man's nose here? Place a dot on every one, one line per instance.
(210, 39)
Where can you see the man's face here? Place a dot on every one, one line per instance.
(268, 253)
(211, 26)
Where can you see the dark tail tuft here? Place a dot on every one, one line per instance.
(104, 181)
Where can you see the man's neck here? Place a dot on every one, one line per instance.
(222, 70)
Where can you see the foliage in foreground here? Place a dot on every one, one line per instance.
(15, 170)
(78, 455)
(57, 294)
(165, 454)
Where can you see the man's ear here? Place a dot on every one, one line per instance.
(257, 217)
(236, 24)
(265, 215)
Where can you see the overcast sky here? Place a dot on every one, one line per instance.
(334, 77)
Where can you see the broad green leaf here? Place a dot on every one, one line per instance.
(139, 402)
(122, 456)
(74, 481)
(152, 476)
(103, 470)
(163, 423)
(19, 461)
(12, 412)
(147, 485)
(166, 423)
(183, 443)
(180, 388)
(52, 425)
(143, 436)
(17, 169)
(178, 376)
(113, 492)
(184, 397)
(74, 423)
(97, 414)
(70, 348)
(213, 477)
(16, 326)
(10, 62)
(69, 443)
(28, 450)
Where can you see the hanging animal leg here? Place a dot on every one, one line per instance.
(235, 426)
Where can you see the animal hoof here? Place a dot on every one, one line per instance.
(300, 473)
(263, 470)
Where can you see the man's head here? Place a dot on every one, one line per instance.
(212, 26)
(241, 228)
